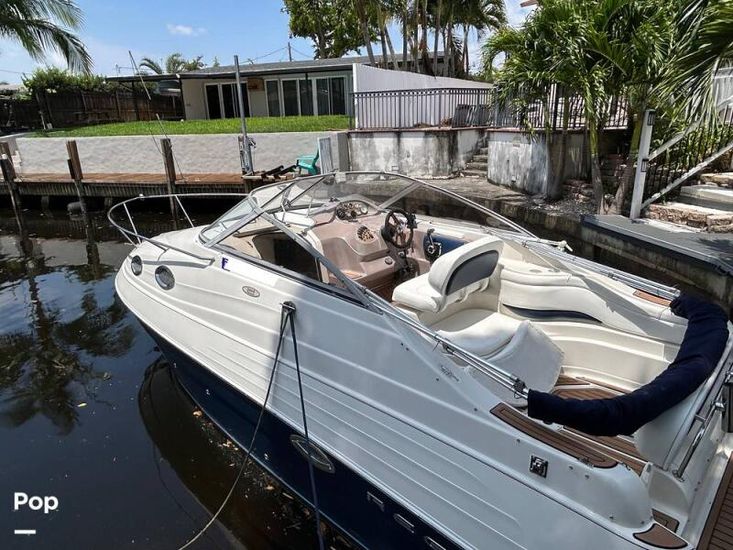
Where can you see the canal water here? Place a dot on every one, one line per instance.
(90, 414)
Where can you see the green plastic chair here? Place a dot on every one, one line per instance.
(308, 163)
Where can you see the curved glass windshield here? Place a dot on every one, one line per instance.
(312, 195)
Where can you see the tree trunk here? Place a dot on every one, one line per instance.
(555, 191)
(415, 39)
(364, 23)
(595, 166)
(404, 40)
(424, 40)
(321, 42)
(392, 55)
(466, 29)
(627, 178)
(383, 42)
(437, 36)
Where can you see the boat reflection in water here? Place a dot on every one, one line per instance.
(261, 513)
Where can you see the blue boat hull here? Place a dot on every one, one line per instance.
(347, 500)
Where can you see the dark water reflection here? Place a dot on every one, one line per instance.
(90, 414)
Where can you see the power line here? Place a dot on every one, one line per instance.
(296, 50)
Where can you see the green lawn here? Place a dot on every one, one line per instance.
(221, 126)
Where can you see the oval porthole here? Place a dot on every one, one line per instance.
(319, 458)
(136, 265)
(164, 278)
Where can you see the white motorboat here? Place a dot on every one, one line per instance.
(399, 336)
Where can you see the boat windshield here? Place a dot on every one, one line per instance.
(312, 195)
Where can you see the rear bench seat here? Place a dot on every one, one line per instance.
(544, 291)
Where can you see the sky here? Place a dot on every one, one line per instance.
(255, 30)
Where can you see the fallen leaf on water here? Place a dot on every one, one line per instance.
(197, 413)
(82, 404)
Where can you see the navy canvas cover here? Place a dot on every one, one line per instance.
(700, 352)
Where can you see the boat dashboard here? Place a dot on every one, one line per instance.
(376, 246)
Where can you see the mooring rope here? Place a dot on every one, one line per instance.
(284, 316)
(290, 307)
(157, 116)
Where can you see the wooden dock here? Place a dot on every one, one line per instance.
(118, 186)
(82, 186)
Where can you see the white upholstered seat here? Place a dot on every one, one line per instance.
(480, 331)
(515, 346)
(452, 277)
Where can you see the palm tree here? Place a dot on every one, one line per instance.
(481, 15)
(174, 63)
(706, 30)
(650, 54)
(43, 25)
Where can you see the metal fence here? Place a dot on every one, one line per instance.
(471, 107)
(672, 163)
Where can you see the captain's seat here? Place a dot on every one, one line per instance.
(447, 299)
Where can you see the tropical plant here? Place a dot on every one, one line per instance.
(706, 45)
(359, 23)
(43, 25)
(53, 79)
(174, 63)
(650, 54)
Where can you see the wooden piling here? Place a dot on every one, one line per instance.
(8, 171)
(76, 173)
(170, 173)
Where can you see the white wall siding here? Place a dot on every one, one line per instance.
(373, 79)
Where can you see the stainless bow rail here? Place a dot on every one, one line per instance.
(134, 237)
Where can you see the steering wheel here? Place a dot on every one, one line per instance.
(399, 228)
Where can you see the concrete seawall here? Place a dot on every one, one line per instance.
(206, 153)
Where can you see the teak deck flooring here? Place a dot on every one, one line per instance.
(718, 531)
(620, 448)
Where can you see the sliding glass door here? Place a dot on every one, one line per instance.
(222, 101)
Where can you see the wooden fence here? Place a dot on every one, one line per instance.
(67, 109)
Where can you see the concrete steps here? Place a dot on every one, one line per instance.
(478, 166)
(707, 206)
(709, 196)
(723, 179)
(699, 217)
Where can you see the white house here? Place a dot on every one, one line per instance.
(310, 87)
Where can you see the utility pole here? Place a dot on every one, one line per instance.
(290, 53)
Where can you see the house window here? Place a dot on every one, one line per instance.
(331, 95)
(290, 97)
(273, 97)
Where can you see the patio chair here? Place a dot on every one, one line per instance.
(307, 163)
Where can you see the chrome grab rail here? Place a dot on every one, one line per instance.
(133, 234)
(505, 379)
(634, 281)
(705, 418)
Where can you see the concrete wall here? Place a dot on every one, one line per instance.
(423, 153)
(214, 153)
(522, 161)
